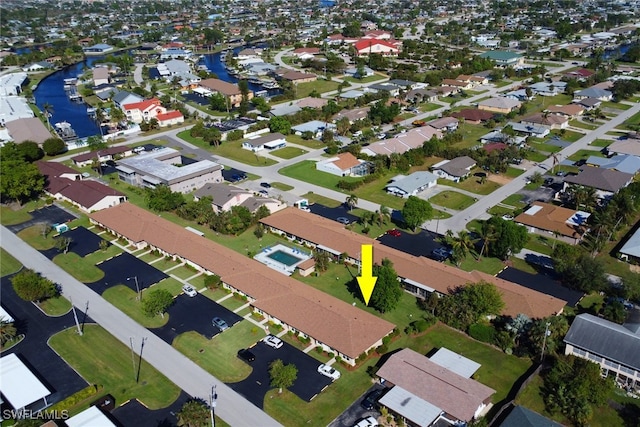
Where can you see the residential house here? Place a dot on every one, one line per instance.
(352, 115)
(355, 73)
(446, 90)
(607, 182)
(405, 186)
(499, 104)
(418, 275)
(423, 392)
(548, 89)
(421, 95)
(64, 183)
(170, 118)
(444, 124)
(165, 167)
(629, 146)
(581, 74)
(11, 84)
(224, 197)
(230, 91)
(377, 34)
(620, 162)
(393, 90)
(504, 58)
(97, 49)
(269, 141)
(297, 77)
(631, 248)
(454, 169)
(38, 66)
(310, 313)
(316, 127)
(368, 46)
(100, 76)
(523, 417)
(588, 103)
(343, 164)
(473, 115)
(571, 111)
(21, 388)
(537, 131)
(402, 142)
(615, 348)
(303, 53)
(109, 153)
(123, 98)
(593, 92)
(28, 129)
(544, 218)
(144, 111)
(457, 84)
(551, 121)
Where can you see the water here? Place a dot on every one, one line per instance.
(616, 53)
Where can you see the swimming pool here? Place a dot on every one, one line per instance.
(284, 258)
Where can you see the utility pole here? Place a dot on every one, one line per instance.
(139, 297)
(544, 341)
(75, 317)
(212, 404)
(133, 357)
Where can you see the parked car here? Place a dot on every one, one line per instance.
(139, 149)
(367, 422)
(371, 399)
(440, 254)
(265, 185)
(394, 232)
(246, 355)
(548, 181)
(272, 341)
(560, 173)
(219, 323)
(236, 178)
(328, 371)
(343, 220)
(189, 290)
(264, 192)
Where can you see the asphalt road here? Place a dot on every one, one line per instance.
(191, 378)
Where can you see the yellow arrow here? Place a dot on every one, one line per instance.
(366, 281)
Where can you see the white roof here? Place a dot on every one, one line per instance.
(19, 385)
(418, 411)
(90, 417)
(455, 362)
(533, 210)
(6, 316)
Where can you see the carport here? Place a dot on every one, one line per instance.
(308, 384)
(126, 266)
(20, 386)
(194, 314)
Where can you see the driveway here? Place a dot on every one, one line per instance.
(34, 351)
(421, 244)
(133, 413)
(118, 269)
(83, 241)
(333, 213)
(355, 411)
(194, 314)
(540, 282)
(49, 214)
(308, 384)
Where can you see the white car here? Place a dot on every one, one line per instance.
(367, 422)
(328, 371)
(272, 341)
(189, 290)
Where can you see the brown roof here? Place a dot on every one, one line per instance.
(297, 75)
(321, 316)
(430, 273)
(551, 218)
(473, 114)
(454, 394)
(346, 161)
(110, 151)
(28, 129)
(547, 120)
(570, 110)
(216, 85)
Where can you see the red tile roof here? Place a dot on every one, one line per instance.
(327, 319)
(143, 105)
(169, 115)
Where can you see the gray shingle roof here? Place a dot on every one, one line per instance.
(523, 417)
(600, 178)
(605, 338)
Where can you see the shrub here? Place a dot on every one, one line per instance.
(76, 398)
(482, 332)
(212, 281)
(235, 135)
(31, 286)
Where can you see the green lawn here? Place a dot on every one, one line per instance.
(486, 264)
(310, 143)
(539, 243)
(316, 198)
(8, 264)
(376, 77)
(547, 148)
(521, 264)
(170, 284)
(321, 86)
(288, 152)
(536, 156)
(584, 155)
(233, 303)
(513, 172)
(55, 306)
(471, 134)
(472, 184)
(425, 107)
(218, 355)
(615, 105)
(33, 236)
(282, 186)
(452, 200)
(306, 171)
(103, 360)
(232, 150)
(126, 301)
(601, 142)
(631, 121)
(78, 267)
(183, 272)
(583, 125)
(514, 200)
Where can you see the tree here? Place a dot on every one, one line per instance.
(556, 330)
(62, 244)
(387, 291)
(218, 102)
(157, 302)
(351, 201)
(574, 387)
(510, 237)
(54, 146)
(19, 180)
(614, 311)
(282, 376)
(95, 143)
(30, 286)
(488, 235)
(7, 330)
(194, 413)
(578, 270)
(466, 305)
(47, 109)
(383, 215)
(162, 199)
(416, 211)
(280, 124)
(30, 151)
(461, 245)
(212, 136)
(321, 259)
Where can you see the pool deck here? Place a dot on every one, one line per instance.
(263, 257)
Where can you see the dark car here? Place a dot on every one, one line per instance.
(440, 254)
(246, 355)
(371, 399)
(220, 324)
(236, 178)
(265, 185)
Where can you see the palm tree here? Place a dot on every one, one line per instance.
(194, 413)
(7, 330)
(461, 245)
(488, 235)
(352, 201)
(582, 196)
(48, 112)
(383, 214)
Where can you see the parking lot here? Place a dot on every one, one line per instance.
(542, 283)
(333, 213)
(126, 266)
(308, 384)
(133, 413)
(194, 314)
(83, 241)
(421, 244)
(49, 214)
(355, 411)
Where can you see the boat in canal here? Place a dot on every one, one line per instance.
(65, 131)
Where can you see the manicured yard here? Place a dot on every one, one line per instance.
(183, 272)
(472, 184)
(367, 79)
(521, 264)
(170, 284)
(149, 257)
(216, 294)
(486, 264)
(281, 186)
(8, 264)
(546, 148)
(428, 106)
(310, 143)
(471, 134)
(232, 150)
(514, 200)
(218, 355)
(535, 156)
(582, 125)
(542, 244)
(33, 236)
(78, 267)
(452, 200)
(233, 302)
(615, 105)
(601, 142)
(165, 263)
(126, 301)
(321, 86)
(513, 172)
(306, 171)
(55, 306)
(316, 198)
(631, 121)
(288, 152)
(103, 360)
(584, 155)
